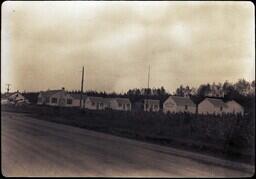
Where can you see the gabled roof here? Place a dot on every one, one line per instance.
(217, 102)
(97, 99)
(49, 93)
(122, 100)
(7, 95)
(182, 101)
(152, 101)
(233, 101)
(77, 95)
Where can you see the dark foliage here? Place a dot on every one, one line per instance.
(31, 96)
(230, 135)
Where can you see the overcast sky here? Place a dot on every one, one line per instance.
(45, 44)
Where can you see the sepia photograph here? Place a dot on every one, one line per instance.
(128, 89)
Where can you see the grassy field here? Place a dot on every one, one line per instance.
(229, 136)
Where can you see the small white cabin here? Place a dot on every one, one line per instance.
(58, 98)
(74, 100)
(234, 107)
(52, 98)
(13, 98)
(121, 104)
(96, 103)
(212, 106)
(179, 104)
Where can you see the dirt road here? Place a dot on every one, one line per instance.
(32, 147)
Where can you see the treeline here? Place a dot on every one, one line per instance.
(242, 91)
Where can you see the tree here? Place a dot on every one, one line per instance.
(162, 91)
(204, 90)
(243, 86)
(180, 91)
(252, 91)
(253, 84)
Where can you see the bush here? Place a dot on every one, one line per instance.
(227, 133)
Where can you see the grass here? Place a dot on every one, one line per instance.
(229, 136)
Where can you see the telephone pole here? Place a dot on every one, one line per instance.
(8, 87)
(82, 87)
(148, 77)
(147, 104)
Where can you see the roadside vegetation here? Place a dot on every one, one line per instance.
(228, 136)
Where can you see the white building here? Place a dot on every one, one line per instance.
(212, 106)
(151, 105)
(96, 103)
(179, 104)
(13, 98)
(74, 100)
(234, 107)
(52, 98)
(121, 104)
(58, 98)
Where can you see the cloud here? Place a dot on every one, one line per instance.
(45, 44)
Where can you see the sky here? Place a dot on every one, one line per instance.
(45, 44)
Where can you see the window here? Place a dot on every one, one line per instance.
(101, 104)
(69, 101)
(119, 105)
(221, 108)
(54, 100)
(155, 106)
(146, 106)
(93, 103)
(186, 107)
(128, 105)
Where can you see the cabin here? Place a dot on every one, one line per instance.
(96, 103)
(52, 98)
(212, 106)
(175, 104)
(74, 100)
(14, 98)
(55, 98)
(234, 107)
(60, 98)
(121, 104)
(151, 105)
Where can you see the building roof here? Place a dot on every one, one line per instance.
(97, 99)
(182, 101)
(217, 102)
(7, 95)
(77, 95)
(49, 93)
(229, 101)
(122, 100)
(152, 101)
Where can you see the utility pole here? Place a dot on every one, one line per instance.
(148, 75)
(82, 87)
(148, 88)
(8, 87)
